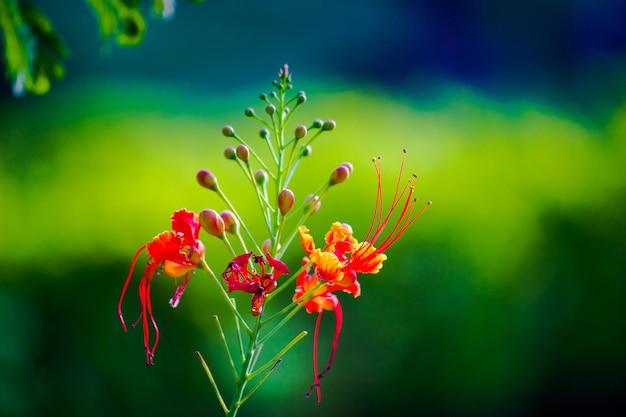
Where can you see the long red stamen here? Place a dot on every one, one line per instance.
(338, 324)
(150, 351)
(380, 221)
(128, 278)
(316, 382)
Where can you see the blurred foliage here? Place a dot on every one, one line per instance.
(34, 53)
(506, 298)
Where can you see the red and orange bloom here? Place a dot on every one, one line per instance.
(178, 253)
(343, 257)
(239, 277)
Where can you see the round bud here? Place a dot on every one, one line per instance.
(260, 177)
(301, 97)
(347, 165)
(307, 151)
(317, 124)
(300, 132)
(243, 152)
(264, 133)
(313, 203)
(231, 224)
(229, 153)
(270, 109)
(329, 125)
(266, 246)
(339, 175)
(249, 112)
(285, 201)
(212, 222)
(228, 131)
(207, 180)
(263, 97)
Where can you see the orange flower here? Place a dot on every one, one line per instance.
(178, 253)
(344, 257)
(337, 264)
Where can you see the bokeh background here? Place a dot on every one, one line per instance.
(506, 298)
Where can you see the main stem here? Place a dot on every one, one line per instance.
(246, 368)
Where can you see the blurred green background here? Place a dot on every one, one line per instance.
(505, 299)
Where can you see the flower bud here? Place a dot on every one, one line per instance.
(263, 97)
(207, 180)
(339, 175)
(347, 165)
(300, 132)
(267, 246)
(270, 109)
(260, 177)
(285, 201)
(229, 153)
(231, 224)
(212, 222)
(307, 151)
(243, 153)
(249, 112)
(264, 133)
(301, 97)
(313, 203)
(317, 124)
(329, 125)
(228, 131)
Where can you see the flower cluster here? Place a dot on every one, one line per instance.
(325, 271)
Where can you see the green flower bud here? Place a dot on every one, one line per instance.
(249, 112)
(231, 224)
(301, 97)
(264, 133)
(260, 177)
(329, 125)
(212, 223)
(228, 131)
(285, 201)
(243, 153)
(339, 175)
(207, 180)
(229, 153)
(317, 124)
(307, 151)
(300, 132)
(270, 109)
(263, 97)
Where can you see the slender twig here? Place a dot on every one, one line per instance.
(213, 383)
(225, 345)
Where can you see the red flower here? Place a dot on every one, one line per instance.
(178, 253)
(240, 277)
(321, 299)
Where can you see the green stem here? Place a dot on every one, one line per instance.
(225, 345)
(246, 367)
(213, 384)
